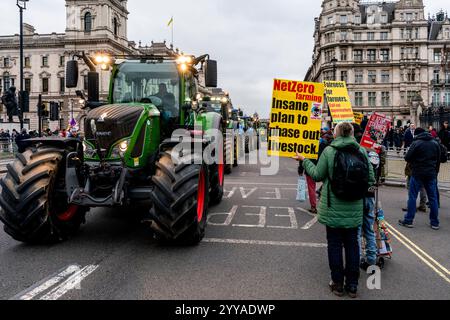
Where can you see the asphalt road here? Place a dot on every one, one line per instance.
(260, 244)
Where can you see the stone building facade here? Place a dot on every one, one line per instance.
(388, 52)
(92, 26)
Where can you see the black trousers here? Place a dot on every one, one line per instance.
(340, 240)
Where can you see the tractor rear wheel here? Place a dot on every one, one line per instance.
(180, 200)
(34, 200)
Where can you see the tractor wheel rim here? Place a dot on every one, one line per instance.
(201, 196)
(69, 213)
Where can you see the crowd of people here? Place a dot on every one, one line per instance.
(347, 216)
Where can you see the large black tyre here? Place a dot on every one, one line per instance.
(33, 200)
(247, 144)
(180, 200)
(217, 172)
(236, 151)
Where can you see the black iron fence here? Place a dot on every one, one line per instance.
(435, 115)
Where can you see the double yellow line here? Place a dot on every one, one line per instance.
(443, 272)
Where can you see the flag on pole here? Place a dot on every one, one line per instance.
(170, 22)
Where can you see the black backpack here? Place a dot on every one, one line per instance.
(350, 179)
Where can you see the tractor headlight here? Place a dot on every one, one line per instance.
(89, 150)
(119, 149)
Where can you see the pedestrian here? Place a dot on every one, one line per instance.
(409, 135)
(423, 194)
(398, 139)
(63, 133)
(342, 217)
(21, 146)
(444, 135)
(433, 132)
(424, 158)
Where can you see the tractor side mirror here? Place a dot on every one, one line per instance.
(93, 86)
(211, 73)
(72, 74)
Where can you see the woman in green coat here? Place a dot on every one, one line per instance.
(342, 218)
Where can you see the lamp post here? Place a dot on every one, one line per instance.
(22, 5)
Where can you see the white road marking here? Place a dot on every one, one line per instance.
(259, 183)
(267, 243)
(76, 273)
(70, 284)
(245, 194)
(310, 223)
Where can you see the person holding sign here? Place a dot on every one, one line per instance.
(341, 204)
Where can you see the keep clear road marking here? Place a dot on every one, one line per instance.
(69, 278)
(267, 243)
(422, 255)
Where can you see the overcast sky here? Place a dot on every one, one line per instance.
(254, 41)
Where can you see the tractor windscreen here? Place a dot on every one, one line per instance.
(156, 83)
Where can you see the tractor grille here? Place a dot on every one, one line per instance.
(112, 123)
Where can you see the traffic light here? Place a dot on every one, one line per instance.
(54, 111)
(25, 96)
(42, 111)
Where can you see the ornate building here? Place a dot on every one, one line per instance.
(98, 26)
(389, 54)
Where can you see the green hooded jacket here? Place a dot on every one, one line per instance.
(341, 213)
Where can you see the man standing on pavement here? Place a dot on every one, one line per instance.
(424, 159)
(444, 135)
(409, 135)
(20, 138)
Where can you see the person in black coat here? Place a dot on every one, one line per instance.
(444, 135)
(20, 140)
(409, 135)
(424, 158)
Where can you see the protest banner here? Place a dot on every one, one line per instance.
(338, 101)
(295, 119)
(375, 131)
(358, 117)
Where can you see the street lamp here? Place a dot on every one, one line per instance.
(22, 5)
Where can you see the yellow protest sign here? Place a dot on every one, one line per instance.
(358, 117)
(338, 101)
(295, 118)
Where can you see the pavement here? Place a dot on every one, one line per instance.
(260, 244)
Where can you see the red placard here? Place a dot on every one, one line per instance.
(375, 132)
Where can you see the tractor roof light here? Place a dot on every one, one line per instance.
(103, 60)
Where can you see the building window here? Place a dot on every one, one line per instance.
(436, 76)
(343, 55)
(45, 61)
(87, 22)
(411, 94)
(384, 36)
(384, 18)
(62, 85)
(372, 99)
(6, 62)
(358, 55)
(372, 76)
(6, 81)
(329, 55)
(357, 36)
(385, 99)
(62, 61)
(343, 19)
(385, 76)
(28, 85)
(330, 21)
(359, 76)
(371, 55)
(344, 76)
(115, 27)
(437, 55)
(411, 75)
(27, 62)
(358, 99)
(384, 53)
(370, 36)
(45, 85)
(409, 16)
(436, 97)
(343, 35)
(358, 19)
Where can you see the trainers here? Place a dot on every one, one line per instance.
(404, 224)
(405, 209)
(434, 227)
(364, 265)
(352, 291)
(336, 289)
(313, 210)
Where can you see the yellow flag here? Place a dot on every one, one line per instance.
(170, 22)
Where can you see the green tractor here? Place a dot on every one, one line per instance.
(146, 143)
(218, 101)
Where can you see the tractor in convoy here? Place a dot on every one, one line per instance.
(219, 101)
(129, 153)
